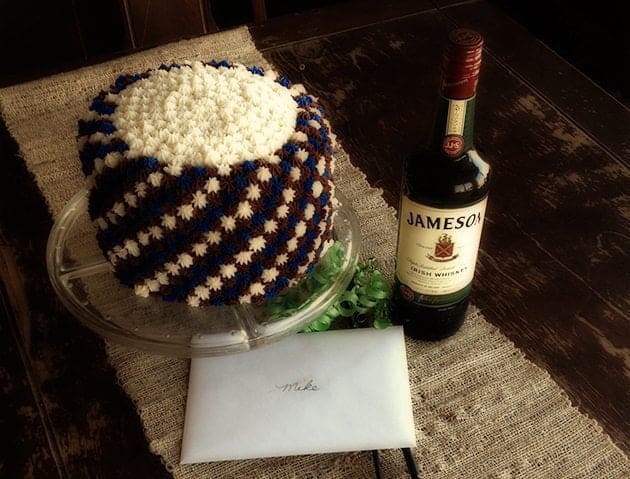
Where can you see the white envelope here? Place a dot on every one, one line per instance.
(309, 393)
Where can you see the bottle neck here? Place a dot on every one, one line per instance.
(453, 130)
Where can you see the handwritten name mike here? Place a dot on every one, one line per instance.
(298, 386)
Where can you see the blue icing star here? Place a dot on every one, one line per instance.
(122, 147)
(270, 250)
(185, 182)
(242, 280)
(283, 236)
(214, 212)
(241, 181)
(301, 122)
(256, 71)
(258, 219)
(182, 238)
(249, 166)
(311, 163)
(285, 166)
(243, 235)
(169, 298)
(282, 282)
(228, 197)
(308, 185)
(150, 163)
(304, 100)
(269, 204)
(290, 148)
(99, 106)
(227, 249)
(107, 128)
(257, 269)
(277, 185)
(213, 262)
(231, 294)
(199, 172)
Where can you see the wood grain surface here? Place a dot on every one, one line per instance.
(553, 270)
(65, 414)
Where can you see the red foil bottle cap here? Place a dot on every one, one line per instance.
(462, 60)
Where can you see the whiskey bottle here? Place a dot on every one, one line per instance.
(442, 206)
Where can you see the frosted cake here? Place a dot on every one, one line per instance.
(210, 183)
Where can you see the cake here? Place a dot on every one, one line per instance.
(210, 183)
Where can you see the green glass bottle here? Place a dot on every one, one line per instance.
(442, 207)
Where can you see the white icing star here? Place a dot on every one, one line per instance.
(185, 211)
(141, 290)
(199, 249)
(213, 237)
(300, 229)
(244, 210)
(202, 292)
(131, 199)
(132, 247)
(244, 257)
(212, 185)
(155, 179)
(172, 269)
(317, 189)
(253, 192)
(156, 232)
(185, 260)
(302, 155)
(269, 275)
(263, 174)
(141, 189)
(169, 221)
(214, 283)
(257, 243)
(282, 211)
(227, 270)
(271, 226)
(228, 223)
(288, 194)
(256, 289)
(199, 200)
(299, 136)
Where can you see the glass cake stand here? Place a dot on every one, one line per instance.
(87, 287)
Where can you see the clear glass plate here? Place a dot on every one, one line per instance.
(85, 283)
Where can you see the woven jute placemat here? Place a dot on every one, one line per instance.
(481, 408)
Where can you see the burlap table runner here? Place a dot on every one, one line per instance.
(481, 408)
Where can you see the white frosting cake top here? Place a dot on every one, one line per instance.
(205, 116)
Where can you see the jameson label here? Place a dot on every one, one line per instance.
(437, 251)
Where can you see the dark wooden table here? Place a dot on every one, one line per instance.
(553, 272)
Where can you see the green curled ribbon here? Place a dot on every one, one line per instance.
(362, 304)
